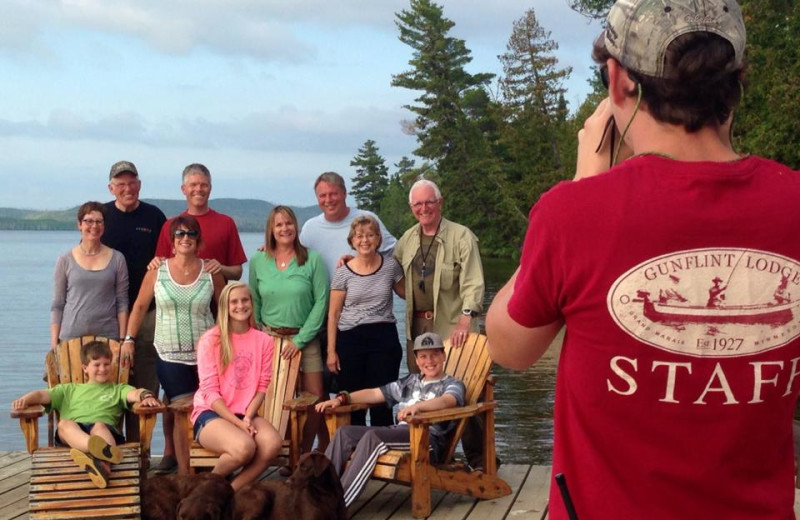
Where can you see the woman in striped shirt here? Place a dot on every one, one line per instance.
(363, 345)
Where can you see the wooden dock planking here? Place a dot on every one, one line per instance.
(379, 501)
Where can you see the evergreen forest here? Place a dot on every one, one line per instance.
(495, 144)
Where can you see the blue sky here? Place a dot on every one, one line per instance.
(266, 93)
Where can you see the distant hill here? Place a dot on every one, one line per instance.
(250, 214)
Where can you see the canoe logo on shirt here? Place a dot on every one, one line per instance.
(710, 302)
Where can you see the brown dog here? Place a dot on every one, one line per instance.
(206, 496)
(313, 492)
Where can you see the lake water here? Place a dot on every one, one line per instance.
(524, 419)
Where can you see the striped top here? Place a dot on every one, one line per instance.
(183, 314)
(369, 296)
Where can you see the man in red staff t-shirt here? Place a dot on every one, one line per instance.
(673, 273)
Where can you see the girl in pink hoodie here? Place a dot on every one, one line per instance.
(234, 363)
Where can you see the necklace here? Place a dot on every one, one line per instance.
(424, 255)
(87, 253)
(282, 263)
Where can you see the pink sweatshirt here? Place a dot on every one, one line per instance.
(248, 373)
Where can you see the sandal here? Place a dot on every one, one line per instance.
(97, 473)
(167, 464)
(100, 449)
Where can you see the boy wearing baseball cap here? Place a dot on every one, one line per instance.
(675, 393)
(429, 390)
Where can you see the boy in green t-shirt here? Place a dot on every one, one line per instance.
(90, 411)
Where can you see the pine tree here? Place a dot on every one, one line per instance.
(533, 80)
(371, 179)
(535, 113)
(437, 62)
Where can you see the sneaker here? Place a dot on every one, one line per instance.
(167, 465)
(97, 473)
(100, 449)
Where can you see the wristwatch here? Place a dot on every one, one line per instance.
(129, 338)
(469, 312)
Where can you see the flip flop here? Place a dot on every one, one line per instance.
(97, 473)
(100, 449)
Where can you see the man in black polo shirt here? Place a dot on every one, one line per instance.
(132, 228)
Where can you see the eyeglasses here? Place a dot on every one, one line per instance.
(370, 236)
(93, 222)
(604, 76)
(426, 203)
(131, 184)
(180, 233)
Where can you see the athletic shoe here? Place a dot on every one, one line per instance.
(97, 473)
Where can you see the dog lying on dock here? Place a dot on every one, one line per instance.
(206, 496)
(313, 492)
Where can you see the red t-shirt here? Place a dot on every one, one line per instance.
(680, 367)
(220, 239)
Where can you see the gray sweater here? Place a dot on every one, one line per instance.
(87, 302)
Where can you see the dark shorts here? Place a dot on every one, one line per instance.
(204, 418)
(177, 380)
(87, 428)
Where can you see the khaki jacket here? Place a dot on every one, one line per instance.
(457, 279)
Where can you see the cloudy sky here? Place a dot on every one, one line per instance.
(266, 93)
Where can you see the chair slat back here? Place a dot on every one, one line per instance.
(471, 364)
(63, 365)
(282, 387)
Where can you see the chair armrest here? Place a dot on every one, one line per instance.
(302, 402)
(148, 410)
(182, 405)
(449, 414)
(31, 412)
(347, 408)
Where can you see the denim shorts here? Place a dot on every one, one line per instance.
(204, 418)
(177, 380)
(87, 428)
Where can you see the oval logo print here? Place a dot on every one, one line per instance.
(710, 302)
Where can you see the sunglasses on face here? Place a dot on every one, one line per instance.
(180, 233)
(604, 76)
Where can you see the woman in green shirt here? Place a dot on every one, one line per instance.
(290, 293)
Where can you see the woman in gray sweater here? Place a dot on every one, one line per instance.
(91, 284)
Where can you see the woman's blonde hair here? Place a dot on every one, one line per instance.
(225, 345)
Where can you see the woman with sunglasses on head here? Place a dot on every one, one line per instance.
(183, 291)
(91, 284)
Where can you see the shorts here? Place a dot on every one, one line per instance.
(311, 362)
(87, 428)
(204, 418)
(177, 380)
(312, 357)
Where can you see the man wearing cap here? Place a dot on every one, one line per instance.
(430, 389)
(664, 409)
(132, 228)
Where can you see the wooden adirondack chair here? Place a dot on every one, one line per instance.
(281, 408)
(58, 487)
(470, 364)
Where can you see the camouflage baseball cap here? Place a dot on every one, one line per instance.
(120, 167)
(428, 341)
(638, 32)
